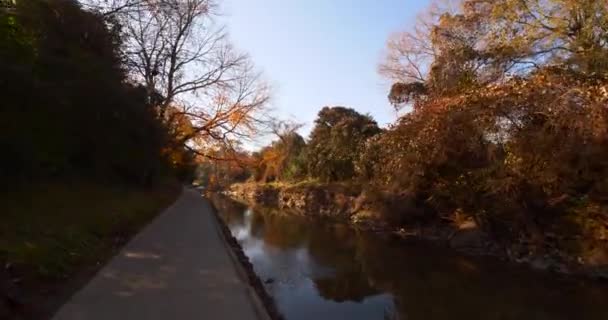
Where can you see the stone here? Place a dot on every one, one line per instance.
(468, 225)
(468, 238)
(597, 257)
(597, 260)
(5, 310)
(542, 263)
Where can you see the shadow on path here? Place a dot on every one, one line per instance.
(175, 268)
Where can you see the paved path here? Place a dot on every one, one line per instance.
(178, 267)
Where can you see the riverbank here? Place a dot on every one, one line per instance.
(402, 217)
(56, 236)
(218, 205)
(316, 268)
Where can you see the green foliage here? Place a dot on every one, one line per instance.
(51, 229)
(335, 142)
(293, 166)
(67, 107)
(284, 159)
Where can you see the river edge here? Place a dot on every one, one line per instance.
(255, 282)
(353, 207)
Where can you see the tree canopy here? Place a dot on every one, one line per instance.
(335, 142)
(128, 89)
(68, 108)
(509, 114)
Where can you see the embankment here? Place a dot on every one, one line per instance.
(402, 216)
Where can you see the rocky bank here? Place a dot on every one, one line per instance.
(400, 216)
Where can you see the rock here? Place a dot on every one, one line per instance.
(542, 263)
(601, 273)
(359, 202)
(598, 257)
(562, 268)
(468, 238)
(597, 260)
(467, 225)
(5, 310)
(11, 296)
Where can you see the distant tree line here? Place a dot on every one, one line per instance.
(331, 153)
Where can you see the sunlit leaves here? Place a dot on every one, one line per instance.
(510, 116)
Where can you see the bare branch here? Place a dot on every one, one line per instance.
(203, 89)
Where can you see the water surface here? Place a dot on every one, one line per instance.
(325, 270)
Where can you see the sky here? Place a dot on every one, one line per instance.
(317, 53)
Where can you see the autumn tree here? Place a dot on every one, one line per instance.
(472, 43)
(508, 124)
(283, 159)
(218, 174)
(291, 146)
(176, 49)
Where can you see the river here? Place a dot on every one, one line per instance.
(326, 270)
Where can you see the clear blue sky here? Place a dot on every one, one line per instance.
(320, 52)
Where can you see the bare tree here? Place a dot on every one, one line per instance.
(407, 56)
(236, 113)
(179, 52)
(283, 129)
(109, 8)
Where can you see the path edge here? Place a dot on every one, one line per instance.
(263, 302)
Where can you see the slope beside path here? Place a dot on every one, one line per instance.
(178, 267)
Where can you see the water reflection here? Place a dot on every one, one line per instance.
(323, 270)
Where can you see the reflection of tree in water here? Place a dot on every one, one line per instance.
(279, 230)
(335, 246)
(331, 247)
(426, 282)
(257, 227)
(430, 283)
(231, 211)
(345, 287)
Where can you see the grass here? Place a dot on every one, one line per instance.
(51, 230)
